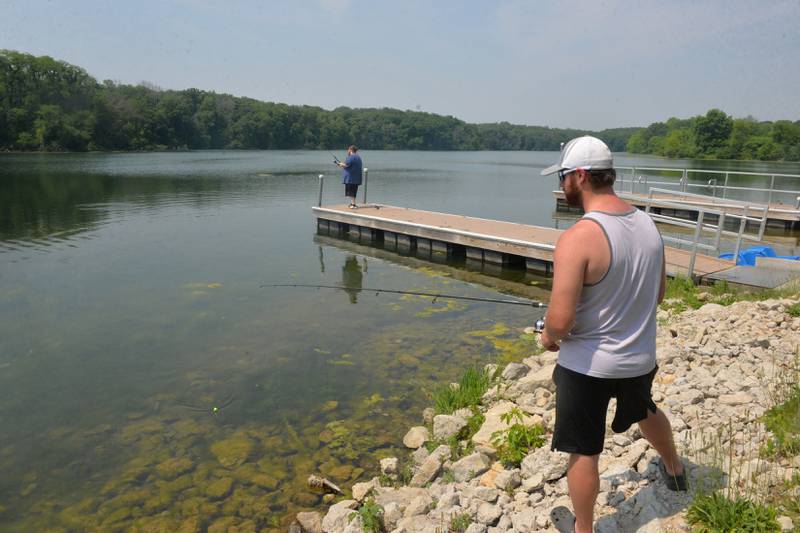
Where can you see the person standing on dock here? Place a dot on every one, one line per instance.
(608, 279)
(351, 176)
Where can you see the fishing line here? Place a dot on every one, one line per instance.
(435, 296)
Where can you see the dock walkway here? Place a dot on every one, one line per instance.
(778, 214)
(491, 241)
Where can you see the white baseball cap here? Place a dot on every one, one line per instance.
(585, 152)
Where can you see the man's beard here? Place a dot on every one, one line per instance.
(573, 197)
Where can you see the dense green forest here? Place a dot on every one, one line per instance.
(717, 135)
(51, 105)
(47, 104)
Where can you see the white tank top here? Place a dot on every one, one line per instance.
(615, 321)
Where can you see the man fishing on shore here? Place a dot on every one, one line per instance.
(609, 277)
(351, 175)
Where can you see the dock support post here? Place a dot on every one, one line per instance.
(475, 254)
(321, 181)
(389, 240)
(366, 173)
(695, 240)
(537, 265)
(368, 235)
(404, 242)
(323, 226)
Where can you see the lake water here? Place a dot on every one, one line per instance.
(149, 379)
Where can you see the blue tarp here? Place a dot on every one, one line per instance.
(748, 257)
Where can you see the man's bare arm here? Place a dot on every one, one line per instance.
(569, 267)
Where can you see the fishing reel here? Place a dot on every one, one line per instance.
(538, 326)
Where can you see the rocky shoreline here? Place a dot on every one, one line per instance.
(720, 369)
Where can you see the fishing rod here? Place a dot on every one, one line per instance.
(435, 296)
(335, 159)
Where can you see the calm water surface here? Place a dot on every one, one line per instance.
(149, 380)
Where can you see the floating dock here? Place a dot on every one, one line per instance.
(489, 241)
(780, 215)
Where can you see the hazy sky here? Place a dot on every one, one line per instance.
(567, 63)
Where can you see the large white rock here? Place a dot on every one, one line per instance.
(514, 371)
(337, 518)
(551, 465)
(524, 520)
(415, 437)
(543, 377)
(470, 466)
(310, 522)
(488, 513)
(445, 426)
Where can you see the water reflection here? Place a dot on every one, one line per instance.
(352, 277)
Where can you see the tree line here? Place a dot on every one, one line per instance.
(52, 105)
(719, 136)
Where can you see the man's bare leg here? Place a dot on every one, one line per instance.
(583, 481)
(658, 431)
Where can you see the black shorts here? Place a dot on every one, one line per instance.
(582, 403)
(350, 190)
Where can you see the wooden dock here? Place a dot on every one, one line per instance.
(780, 215)
(490, 241)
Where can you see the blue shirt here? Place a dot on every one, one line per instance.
(351, 175)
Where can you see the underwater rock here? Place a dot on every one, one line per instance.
(320, 484)
(328, 406)
(220, 488)
(192, 524)
(157, 503)
(135, 431)
(341, 472)
(117, 516)
(224, 525)
(174, 467)
(250, 475)
(155, 524)
(233, 451)
(304, 499)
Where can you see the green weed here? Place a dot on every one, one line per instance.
(715, 512)
(682, 294)
(460, 522)
(794, 309)
(470, 390)
(371, 516)
(514, 443)
(783, 420)
(448, 477)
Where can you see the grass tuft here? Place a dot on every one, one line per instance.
(460, 522)
(682, 294)
(716, 512)
(783, 421)
(469, 393)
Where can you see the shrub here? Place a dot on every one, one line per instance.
(371, 516)
(514, 443)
